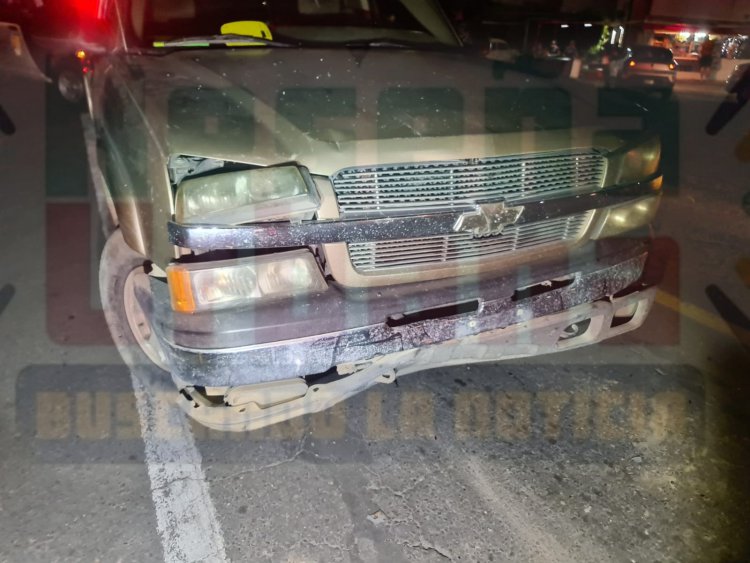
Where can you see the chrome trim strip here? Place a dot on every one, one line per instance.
(306, 233)
(284, 235)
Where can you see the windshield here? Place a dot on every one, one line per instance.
(652, 54)
(329, 21)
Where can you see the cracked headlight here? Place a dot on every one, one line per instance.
(279, 193)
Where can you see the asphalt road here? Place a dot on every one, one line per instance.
(632, 450)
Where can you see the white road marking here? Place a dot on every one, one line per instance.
(185, 514)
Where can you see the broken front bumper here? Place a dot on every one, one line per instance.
(509, 318)
(531, 336)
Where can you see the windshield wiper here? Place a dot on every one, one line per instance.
(231, 40)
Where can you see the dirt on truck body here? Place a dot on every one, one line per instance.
(308, 199)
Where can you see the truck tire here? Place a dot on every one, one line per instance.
(126, 300)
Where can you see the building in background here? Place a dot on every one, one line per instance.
(531, 26)
(691, 28)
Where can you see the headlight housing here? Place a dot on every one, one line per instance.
(223, 284)
(629, 216)
(634, 163)
(247, 196)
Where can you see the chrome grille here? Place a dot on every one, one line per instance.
(405, 189)
(377, 256)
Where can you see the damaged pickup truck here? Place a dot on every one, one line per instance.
(310, 197)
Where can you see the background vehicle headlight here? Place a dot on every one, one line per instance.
(634, 164)
(247, 196)
(230, 283)
(624, 218)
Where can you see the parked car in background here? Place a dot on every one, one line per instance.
(689, 62)
(596, 64)
(58, 36)
(645, 67)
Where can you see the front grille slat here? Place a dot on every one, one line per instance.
(398, 248)
(464, 177)
(417, 188)
(373, 256)
(480, 166)
(432, 190)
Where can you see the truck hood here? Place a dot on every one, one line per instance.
(332, 108)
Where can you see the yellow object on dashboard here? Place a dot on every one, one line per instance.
(248, 28)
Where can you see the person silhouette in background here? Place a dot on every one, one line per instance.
(571, 51)
(462, 27)
(707, 58)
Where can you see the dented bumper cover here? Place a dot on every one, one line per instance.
(353, 328)
(530, 337)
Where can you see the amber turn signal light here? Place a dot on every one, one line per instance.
(181, 290)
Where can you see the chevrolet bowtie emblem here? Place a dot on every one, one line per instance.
(488, 219)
